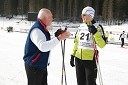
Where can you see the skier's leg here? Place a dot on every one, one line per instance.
(80, 72)
(122, 42)
(91, 72)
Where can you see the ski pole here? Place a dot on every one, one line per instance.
(96, 58)
(98, 65)
(63, 64)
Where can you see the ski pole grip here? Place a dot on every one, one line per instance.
(62, 31)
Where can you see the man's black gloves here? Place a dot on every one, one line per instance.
(72, 61)
(92, 29)
(58, 32)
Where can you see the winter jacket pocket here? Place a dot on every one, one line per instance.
(36, 57)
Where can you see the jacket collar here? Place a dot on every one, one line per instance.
(43, 24)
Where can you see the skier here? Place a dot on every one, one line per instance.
(38, 46)
(83, 51)
(106, 36)
(122, 36)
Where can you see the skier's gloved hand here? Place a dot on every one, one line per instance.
(92, 29)
(72, 61)
(93, 21)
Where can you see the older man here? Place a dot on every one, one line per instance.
(38, 46)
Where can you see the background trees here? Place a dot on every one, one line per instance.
(67, 9)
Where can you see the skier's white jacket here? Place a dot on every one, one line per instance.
(84, 42)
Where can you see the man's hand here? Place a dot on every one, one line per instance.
(58, 32)
(64, 35)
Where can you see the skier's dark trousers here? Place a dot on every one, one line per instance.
(87, 68)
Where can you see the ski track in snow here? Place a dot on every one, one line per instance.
(112, 59)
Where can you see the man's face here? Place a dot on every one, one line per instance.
(86, 18)
(49, 19)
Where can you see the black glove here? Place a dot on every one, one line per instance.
(58, 32)
(72, 61)
(92, 29)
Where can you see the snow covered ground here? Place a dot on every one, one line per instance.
(113, 62)
(113, 58)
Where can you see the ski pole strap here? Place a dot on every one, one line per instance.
(102, 29)
(95, 52)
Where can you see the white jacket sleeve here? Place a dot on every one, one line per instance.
(39, 39)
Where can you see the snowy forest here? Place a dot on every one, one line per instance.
(106, 10)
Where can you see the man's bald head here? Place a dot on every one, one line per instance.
(43, 13)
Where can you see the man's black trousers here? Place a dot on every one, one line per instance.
(36, 76)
